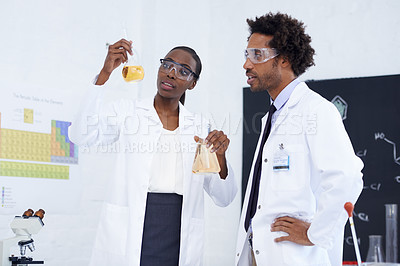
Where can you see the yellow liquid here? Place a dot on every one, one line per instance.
(132, 73)
(205, 161)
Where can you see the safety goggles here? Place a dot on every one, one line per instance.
(260, 55)
(181, 72)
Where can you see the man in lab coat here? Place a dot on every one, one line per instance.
(304, 169)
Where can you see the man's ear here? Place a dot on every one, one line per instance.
(285, 62)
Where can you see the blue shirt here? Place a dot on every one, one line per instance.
(282, 98)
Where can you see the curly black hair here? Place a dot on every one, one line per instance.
(289, 39)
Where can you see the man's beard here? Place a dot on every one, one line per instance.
(268, 81)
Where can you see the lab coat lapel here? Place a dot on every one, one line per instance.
(187, 130)
(150, 129)
(147, 106)
(294, 98)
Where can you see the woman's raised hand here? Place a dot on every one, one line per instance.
(117, 54)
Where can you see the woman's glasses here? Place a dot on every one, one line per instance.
(181, 72)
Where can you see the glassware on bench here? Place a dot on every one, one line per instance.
(375, 250)
(391, 232)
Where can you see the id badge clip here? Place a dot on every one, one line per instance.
(281, 159)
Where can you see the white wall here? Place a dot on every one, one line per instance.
(62, 45)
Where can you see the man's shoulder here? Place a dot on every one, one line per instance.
(314, 99)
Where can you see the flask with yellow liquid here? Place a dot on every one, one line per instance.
(133, 70)
(205, 161)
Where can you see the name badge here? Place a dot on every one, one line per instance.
(281, 159)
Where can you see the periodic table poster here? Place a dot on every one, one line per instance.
(36, 156)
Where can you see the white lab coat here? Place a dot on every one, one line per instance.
(324, 173)
(137, 127)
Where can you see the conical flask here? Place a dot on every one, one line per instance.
(205, 161)
(375, 250)
(133, 70)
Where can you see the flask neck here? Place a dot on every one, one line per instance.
(375, 240)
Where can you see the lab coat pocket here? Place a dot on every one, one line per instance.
(294, 254)
(113, 229)
(293, 176)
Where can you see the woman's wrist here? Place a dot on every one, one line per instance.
(103, 77)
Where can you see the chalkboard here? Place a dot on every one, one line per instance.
(371, 114)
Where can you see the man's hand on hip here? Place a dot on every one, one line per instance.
(295, 228)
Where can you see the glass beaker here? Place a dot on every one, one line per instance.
(205, 161)
(375, 249)
(133, 70)
(391, 232)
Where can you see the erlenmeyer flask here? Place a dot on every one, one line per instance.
(205, 161)
(375, 250)
(133, 70)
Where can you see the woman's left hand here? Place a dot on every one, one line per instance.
(219, 141)
(220, 144)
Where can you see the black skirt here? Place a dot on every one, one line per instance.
(162, 230)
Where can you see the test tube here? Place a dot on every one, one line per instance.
(391, 232)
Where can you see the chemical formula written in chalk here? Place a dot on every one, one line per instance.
(382, 136)
(349, 241)
(374, 186)
(362, 216)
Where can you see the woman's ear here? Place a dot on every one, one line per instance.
(193, 85)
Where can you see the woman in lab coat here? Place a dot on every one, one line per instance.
(153, 214)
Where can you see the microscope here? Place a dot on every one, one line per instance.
(23, 227)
